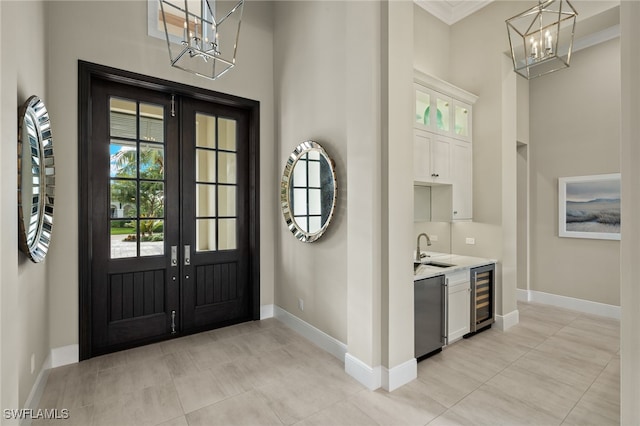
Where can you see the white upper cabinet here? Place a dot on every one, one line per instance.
(443, 133)
(431, 157)
(442, 108)
(462, 180)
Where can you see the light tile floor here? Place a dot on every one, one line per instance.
(555, 367)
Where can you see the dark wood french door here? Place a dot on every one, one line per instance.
(215, 201)
(168, 206)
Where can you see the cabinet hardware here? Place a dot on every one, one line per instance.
(173, 322)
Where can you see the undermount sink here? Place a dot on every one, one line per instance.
(432, 264)
(438, 264)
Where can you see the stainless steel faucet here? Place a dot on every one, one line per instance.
(418, 245)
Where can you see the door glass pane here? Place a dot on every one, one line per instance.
(462, 121)
(151, 123)
(443, 114)
(123, 239)
(151, 161)
(226, 167)
(423, 101)
(152, 199)
(227, 237)
(122, 118)
(123, 198)
(139, 203)
(122, 159)
(226, 201)
(205, 234)
(205, 200)
(205, 131)
(151, 237)
(205, 165)
(226, 134)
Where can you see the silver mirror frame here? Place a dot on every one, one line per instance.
(35, 165)
(285, 184)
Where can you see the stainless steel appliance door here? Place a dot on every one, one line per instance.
(428, 308)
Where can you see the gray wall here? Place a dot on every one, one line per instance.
(112, 34)
(39, 303)
(575, 131)
(23, 284)
(431, 44)
(310, 82)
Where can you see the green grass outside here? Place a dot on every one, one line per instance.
(122, 231)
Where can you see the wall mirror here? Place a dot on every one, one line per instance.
(308, 191)
(36, 179)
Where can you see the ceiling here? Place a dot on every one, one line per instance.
(451, 11)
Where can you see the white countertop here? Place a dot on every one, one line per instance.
(457, 262)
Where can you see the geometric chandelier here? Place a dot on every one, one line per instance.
(541, 38)
(202, 35)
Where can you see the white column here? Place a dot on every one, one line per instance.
(399, 364)
(363, 198)
(630, 240)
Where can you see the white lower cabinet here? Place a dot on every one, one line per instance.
(459, 305)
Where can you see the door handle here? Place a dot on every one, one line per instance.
(174, 255)
(187, 255)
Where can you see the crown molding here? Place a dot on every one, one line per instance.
(449, 11)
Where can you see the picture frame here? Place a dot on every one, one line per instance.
(589, 206)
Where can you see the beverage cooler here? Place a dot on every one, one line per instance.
(482, 297)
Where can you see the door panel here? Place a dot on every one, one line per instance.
(215, 160)
(135, 215)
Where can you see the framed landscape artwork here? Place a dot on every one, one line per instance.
(589, 206)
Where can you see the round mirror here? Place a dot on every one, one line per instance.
(308, 191)
(36, 179)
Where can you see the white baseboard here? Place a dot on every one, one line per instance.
(318, 337)
(523, 295)
(399, 375)
(381, 377)
(266, 311)
(370, 377)
(58, 357)
(580, 305)
(65, 355)
(505, 322)
(33, 400)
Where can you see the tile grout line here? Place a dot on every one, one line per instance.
(512, 363)
(587, 390)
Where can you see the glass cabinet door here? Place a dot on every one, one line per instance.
(462, 120)
(443, 114)
(423, 108)
(439, 113)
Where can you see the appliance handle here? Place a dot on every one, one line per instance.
(445, 312)
(474, 313)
